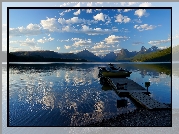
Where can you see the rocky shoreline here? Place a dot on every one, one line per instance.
(139, 118)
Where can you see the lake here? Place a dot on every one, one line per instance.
(71, 94)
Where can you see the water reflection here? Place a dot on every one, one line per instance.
(73, 93)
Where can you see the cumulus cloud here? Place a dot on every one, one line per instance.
(67, 47)
(137, 20)
(127, 10)
(112, 39)
(27, 42)
(89, 11)
(35, 48)
(121, 19)
(77, 12)
(66, 11)
(44, 40)
(68, 29)
(50, 24)
(145, 4)
(81, 42)
(162, 47)
(141, 12)
(175, 37)
(14, 49)
(100, 52)
(98, 3)
(99, 45)
(131, 3)
(99, 17)
(144, 27)
(128, 3)
(158, 42)
(31, 29)
(96, 31)
(77, 5)
(89, 4)
(58, 48)
(119, 10)
(64, 40)
(75, 20)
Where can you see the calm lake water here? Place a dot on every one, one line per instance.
(70, 94)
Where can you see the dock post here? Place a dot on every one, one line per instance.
(147, 84)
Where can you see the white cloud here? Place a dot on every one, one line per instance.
(98, 10)
(145, 4)
(158, 42)
(127, 10)
(68, 29)
(75, 20)
(44, 40)
(35, 48)
(89, 11)
(144, 27)
(74, 39)
(99, 3)
(137, 20)
(162, 47)
(100, 52)
(50, 24)
(81, 42)
(131, 3)
(99, 45)
(77, 12)
(77, 5)
(27, 42)
(128, 3)
(96, 31)
(14, 49)
(119, 10)
(123, 3)
(31, 29)
(58, 48)
(89, 4)
(66, 11)
(67, 47)
(99, 16)
(141, 12)
(112, 39)
(64, 40)
(175, 37)
(121, 19)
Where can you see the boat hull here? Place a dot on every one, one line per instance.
(119, 74)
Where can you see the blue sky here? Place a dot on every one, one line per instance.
(175, 19)
(100, 31)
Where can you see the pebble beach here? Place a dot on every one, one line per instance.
(139, 118)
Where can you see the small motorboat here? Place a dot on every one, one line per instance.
(112, 71)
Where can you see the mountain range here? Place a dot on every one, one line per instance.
(122, 55)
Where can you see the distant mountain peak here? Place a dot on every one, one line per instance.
(143, 49)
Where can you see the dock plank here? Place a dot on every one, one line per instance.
(137, 92)
(147, 101)
(131, 85)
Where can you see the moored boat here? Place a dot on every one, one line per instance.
(112, 71)
(120, 74)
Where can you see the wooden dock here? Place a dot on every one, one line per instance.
(131, 85)
(148, 102)
(136, 92)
